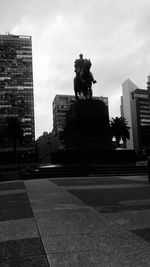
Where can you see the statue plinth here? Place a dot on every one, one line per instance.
(87, 126)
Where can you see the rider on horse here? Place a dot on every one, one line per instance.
(78, 65)
(84, 78)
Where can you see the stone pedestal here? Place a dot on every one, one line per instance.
(87, 126)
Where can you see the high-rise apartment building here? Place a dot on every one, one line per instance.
(135, 107)
(16, 84)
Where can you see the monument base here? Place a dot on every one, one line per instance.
(87, 126)
(88, 137)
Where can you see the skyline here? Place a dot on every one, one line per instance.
(114, 36)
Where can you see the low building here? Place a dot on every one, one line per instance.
(46, 144)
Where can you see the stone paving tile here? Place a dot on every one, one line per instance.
(100, 197)
(106, 187)
(111, 248)
(15, 206)
(79, 259)
(125, 257)
(61, 222)
(18, 229)
(27, 261)
(70, 243)
(139, 202)
(143, 233)
(91, 181)
(121, 208)
(111, 258)
(129, 220)
(139, 178)
(11, 186)
(119, 239)
(19, 249)
(105, 240)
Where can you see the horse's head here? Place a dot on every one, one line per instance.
(87, 64)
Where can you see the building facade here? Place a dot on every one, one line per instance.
(16, 85)
(46, 145)
(61, 105)
(135, 107)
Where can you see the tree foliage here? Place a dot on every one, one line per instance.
(14, 129)
(119, 129)
(14, 133)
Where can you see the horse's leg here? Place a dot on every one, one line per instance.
(76, 95)
(86, 92)
(90, 90)
(75, 88)
(90, 93)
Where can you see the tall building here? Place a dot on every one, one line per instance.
(16, 85)
(135, 107)
(61, 105)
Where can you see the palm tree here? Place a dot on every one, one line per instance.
(119, 129)
(14, 133)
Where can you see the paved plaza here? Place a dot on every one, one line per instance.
(73, 222)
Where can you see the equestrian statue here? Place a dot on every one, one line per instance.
(84, 78)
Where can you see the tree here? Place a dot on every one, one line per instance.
(14, 132)
(119, 129)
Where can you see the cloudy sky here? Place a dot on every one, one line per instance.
(114, 34)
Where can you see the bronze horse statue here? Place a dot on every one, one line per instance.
(83, 80)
